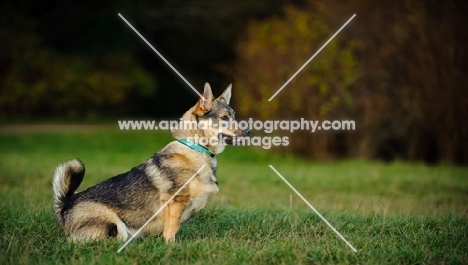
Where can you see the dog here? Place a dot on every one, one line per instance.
(119, 206)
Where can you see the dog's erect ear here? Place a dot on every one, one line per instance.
(226, 96)
(205, 103)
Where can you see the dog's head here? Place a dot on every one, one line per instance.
(214, 120)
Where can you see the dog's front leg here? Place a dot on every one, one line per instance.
(172, 216)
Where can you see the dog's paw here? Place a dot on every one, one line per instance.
(170, 240)
(169, 237)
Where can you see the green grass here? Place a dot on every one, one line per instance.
(397, 213)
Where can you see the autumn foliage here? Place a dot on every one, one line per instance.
(397, 70)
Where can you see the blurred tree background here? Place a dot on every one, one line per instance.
(398, 69)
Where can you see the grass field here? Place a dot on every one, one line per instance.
(397, 213)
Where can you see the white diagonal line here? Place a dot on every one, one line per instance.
(313, 209)
(160, 55)
(308, 61)
(160, 209)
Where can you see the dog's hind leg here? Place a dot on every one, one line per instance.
(172, 216)
(93, 229)
(96, 229)
(94, 221)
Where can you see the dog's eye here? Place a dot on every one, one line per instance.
(225, 118)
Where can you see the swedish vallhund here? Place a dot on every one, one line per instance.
(119, 206)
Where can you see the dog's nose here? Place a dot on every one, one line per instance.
(247, 132)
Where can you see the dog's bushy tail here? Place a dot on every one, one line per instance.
(67, 179)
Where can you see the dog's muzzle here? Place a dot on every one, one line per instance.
(229, 139)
